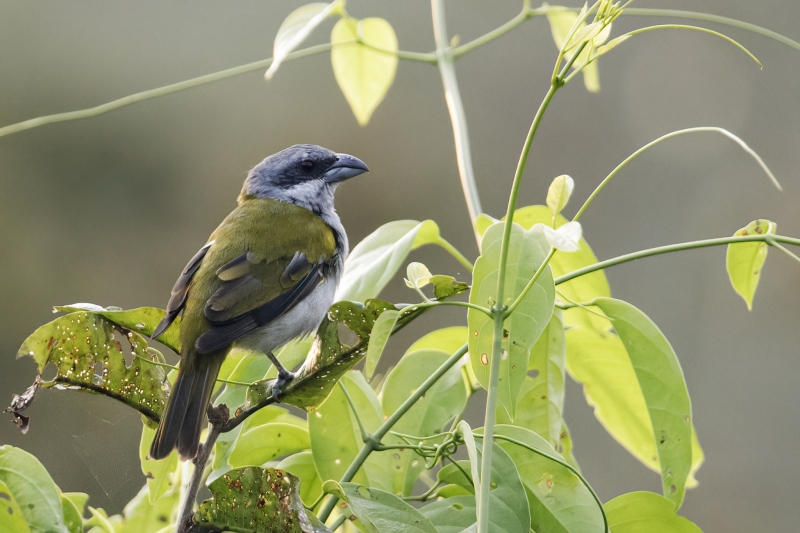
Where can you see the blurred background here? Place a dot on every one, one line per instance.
(109, 209)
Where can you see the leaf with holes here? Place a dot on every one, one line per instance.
(745, 260)
(445, 400)
(364, 69)
(255, 499)
(658, 375)
(86, 355)
(541, 403)
(11, 518)
(142, 320)
(637, 512)
(375, 260)
(526, 252)
(451, 515)
(329, 358)
(447, 286)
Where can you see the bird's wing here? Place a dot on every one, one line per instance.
(180, 291)
(262, 260)
(253, 293)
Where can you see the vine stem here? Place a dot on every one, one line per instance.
(452, 96)
(673, 248)
(677, 133)
(373, 443)
(499, 313)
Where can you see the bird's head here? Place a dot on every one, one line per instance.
(304, 174)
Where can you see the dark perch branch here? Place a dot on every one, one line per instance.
(217, 417)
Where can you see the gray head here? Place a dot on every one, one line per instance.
(305, 174)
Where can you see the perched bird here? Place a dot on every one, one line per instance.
(266, 276)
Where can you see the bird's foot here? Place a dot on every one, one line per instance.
(283, 379)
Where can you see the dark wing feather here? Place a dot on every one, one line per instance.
(181, 290)
(226, 329)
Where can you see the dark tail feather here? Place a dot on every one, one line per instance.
(182, 420)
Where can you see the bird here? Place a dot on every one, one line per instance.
(267, 275)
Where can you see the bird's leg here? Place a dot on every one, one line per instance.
(284, 376)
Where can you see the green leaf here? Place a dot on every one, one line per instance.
(601, 363)
(253, 500)
(243, 366)
(443, 402)
(261, 444)
(383, 512)
(583, 289)
(526, 252)
(296, 27)
(73, 505)
(541, 403)
(11, 517)
(445, 339)
(646, 512)
(634, 370)
(451, 515)
(559, 192)
(559, 501)
(142, 320)
(336, 438)
(227, 441)
(661, 379)
(33, 490)
(85, 353)
(329, 358)
(745, 260)
(301, 465)
(378, 338)
(509, 510)
(375, 260)
(160, 475)
(363, 73)
(447, 286)
(484, 221)
(458, 473)
(102, 522)
(144, 515)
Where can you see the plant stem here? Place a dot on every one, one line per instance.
(524, 15)
(458, 304)
(499, 312)
(452, 96)
(188, 84)
(712, 18)
(530, 283)
(646, 147)
(339, 521)
(217, 416)
(364, 433)
(455, 253)
(672, 248)
(375, 440)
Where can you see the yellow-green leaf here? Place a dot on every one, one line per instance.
(559, 192)
(160, 475)
(296, 27)
(638, 512)
(599, 361)
(583, 289)
(745, 260)
(365, 69)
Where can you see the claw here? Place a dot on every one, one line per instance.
(282, 379)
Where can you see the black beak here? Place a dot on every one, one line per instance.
(345, 167)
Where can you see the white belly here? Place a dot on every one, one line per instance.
(301, 320)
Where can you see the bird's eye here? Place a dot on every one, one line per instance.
(307, 166)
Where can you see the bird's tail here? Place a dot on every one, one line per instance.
(182, 420)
